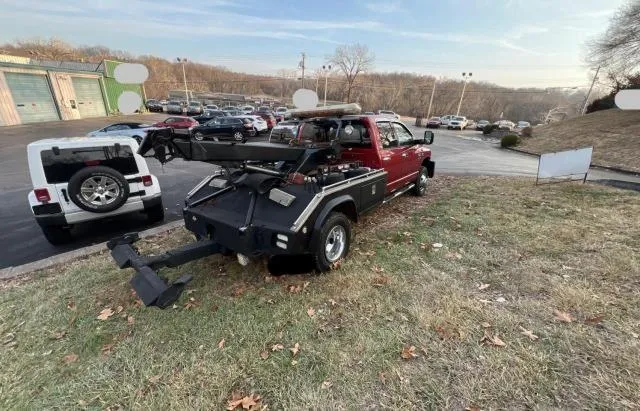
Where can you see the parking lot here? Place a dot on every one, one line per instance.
(455, 152)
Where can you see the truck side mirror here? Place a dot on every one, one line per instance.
(428, 137)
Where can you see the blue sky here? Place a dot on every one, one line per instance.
(509, 42)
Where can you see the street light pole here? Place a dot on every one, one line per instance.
(586, 100)
(184, 76)
(464, 86)
(433, 91)
(326, 70)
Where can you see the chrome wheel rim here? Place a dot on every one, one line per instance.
(198, 136)
(423, 182)
(100, 190)
(237, 135)
(335, 243)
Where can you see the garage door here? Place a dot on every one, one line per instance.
(32, 97)
(89, 97)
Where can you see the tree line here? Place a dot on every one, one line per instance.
(352, 79)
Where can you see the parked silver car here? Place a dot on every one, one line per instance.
(174, 107)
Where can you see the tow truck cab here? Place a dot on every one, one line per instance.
(377, 142)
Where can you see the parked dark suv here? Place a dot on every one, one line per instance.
(224, 128)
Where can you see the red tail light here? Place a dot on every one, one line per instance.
(42, 195)
(147, 181)
(248, 125)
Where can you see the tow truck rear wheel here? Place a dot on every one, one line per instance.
(333, 242)
(420, 188)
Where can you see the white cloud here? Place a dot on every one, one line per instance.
(526, 29)
(384, 6)
(597, 13)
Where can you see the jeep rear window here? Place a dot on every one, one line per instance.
(58, 168)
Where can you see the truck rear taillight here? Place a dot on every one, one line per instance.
(147, 181)
(42, 195)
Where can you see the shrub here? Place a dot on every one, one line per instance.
(509, 140)
(488, 129)
(527, 132)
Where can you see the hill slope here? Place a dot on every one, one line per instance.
(614, 135)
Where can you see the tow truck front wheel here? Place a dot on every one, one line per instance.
(333, 242)
(420, 188)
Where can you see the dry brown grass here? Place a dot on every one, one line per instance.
(614, 135)
(512, 254)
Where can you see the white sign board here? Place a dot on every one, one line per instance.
(565, 163)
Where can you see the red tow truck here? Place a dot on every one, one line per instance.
(295, 196)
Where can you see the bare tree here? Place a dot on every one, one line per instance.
(352, 60)
(619, 47)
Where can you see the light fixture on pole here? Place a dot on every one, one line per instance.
(184, 76)
(326, 69)
(464, 86)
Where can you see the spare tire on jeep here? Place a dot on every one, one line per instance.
(98, 189)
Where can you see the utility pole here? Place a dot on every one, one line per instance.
(466, 78)
(433, 91)
(301, 65)
(326, 70)
(184, 76)
(586, 100)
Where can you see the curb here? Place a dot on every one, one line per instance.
(12, 272)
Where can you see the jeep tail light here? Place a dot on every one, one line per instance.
(147, 181)
(42, 195)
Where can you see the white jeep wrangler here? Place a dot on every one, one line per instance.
(88, 178)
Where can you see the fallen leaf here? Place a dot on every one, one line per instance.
(483, 287)
(594, 320)
(436, 245)
(264, 354)
(214, 308)
(493, 340)
(192, 303)
(380, 280)
(447, 331)
(326, 384)
(484, 301)
(294, 289)
(528, 333)
(130, 320)
(277, 347)
(119, 309)
(44, 354)
(408, 352)
(472, 407)
(247, 403)
(566, 267)
(382, 377)
(174, 306)
(189, 292)
(485, 325)
(311, 312)
(295, 349)
(336, 265)
(562, 316)
(221, 344)
(71, 305)
(368, 253)
(333, 302)
(69, 358)
(154, 379)
(106, 349)
(105, 314)
(377, 269)
(501, 300)
(58, 335)
(294, 362)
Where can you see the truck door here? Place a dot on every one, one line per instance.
(408, 154)
(392, 156)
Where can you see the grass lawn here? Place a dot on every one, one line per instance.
(491, 293)
(614, 135)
